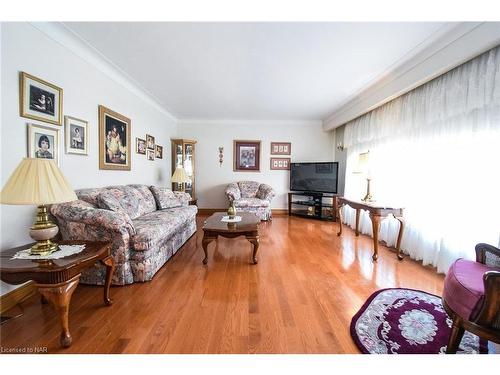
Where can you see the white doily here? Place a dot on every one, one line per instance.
(226, 219)
(64, 251)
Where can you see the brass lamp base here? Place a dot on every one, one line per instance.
(368, 197)
(42, 231)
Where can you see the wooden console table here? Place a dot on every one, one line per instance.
(57, 279)
(377, 212)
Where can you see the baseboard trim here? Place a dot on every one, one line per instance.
(18, 295)
(210, 211)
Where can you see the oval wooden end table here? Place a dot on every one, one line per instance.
(248, 227)
(57, 279)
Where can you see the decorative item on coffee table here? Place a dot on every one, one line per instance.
(38, 182)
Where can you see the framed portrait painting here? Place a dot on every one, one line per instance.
(281, 148)
(140, 146)
(280, 164)
(43, 142)
(246, 156)
(114, 140)
(40, 100)
(76, 135)
(159, 152)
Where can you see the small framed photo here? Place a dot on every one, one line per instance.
(114, 140)
(76, 135)
(151, 154)
(40, 100)
(150, 142)
(281, 148)
(159, 152)
(280, 164)
(140, 146)
(246, 156)
(43, 142)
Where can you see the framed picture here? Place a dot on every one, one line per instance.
(246, 155)
(159, 152)
(140, 146)
(76, 135)
(280, 164)
(43, 142)
(150, 142)
(281, 148)
(40, 100)
(114, 140)
(151, 154)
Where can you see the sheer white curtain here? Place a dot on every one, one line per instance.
(436, 152)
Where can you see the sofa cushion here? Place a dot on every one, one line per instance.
(148, 203)
(248, 188)
(165, 198)
(464, 288)
(155, 227)
(123, 199)
(251, 202)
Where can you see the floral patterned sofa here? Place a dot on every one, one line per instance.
(251, 196)
(146, 225)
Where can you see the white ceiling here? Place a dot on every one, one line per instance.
(254, 71)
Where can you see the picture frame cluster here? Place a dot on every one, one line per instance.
(246, 155)
(42, 101)
(147, 146)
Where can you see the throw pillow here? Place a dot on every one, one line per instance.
(165, 198)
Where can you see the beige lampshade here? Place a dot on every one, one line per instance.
(37, 182)
(363, 165)
(180, 175)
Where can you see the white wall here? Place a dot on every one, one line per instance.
(25, 48)
(309, 143)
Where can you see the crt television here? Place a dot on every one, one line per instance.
(318, 177)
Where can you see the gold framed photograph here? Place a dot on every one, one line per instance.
(140, 146)
(281, 148)
(246, 156)
(43, 142)
(114, 140)
(39, 99)
(76, 135)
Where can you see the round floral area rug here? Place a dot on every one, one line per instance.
(407, 321)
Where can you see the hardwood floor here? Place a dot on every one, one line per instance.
(299, 298)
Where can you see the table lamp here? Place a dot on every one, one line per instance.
(180, 177)
(363, 167)
(38, 182)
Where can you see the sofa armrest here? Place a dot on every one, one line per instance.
(487, 254)
(265, 192)
(83, 212)
(182, 197)
(233, 192)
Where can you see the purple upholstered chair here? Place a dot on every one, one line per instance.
(471, 296)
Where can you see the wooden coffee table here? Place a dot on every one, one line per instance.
(248, 227)
(57, 279)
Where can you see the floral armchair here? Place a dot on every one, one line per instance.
(251, 196)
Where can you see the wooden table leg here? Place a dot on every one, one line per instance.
(356, 231)
(110, 267)
(339, 217)
(254, 240)
(204, 243)
(60, 296)
(400, 236)
(375, 225)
